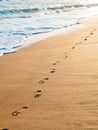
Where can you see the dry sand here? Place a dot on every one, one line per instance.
(53, 84)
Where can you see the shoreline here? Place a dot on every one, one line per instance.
(33, 39)
(40, 37)
(53, 84)
(30, 40)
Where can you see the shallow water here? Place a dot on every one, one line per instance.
(20, 19)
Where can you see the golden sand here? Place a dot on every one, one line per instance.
(53, 84)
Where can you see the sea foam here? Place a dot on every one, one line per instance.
(20, 19)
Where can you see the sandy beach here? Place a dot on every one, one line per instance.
(53, 84)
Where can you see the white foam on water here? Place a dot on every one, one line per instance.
(36, 38)
(39, 20)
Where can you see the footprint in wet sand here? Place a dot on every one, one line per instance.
(46, 78)
(58, 61)
(41, 82)
(53, 63)
(52, 71)
(91, 33)
(73, 47)
(38, 93)
(94, 30)
(85, 39)
(65, 57)
(15, 113)
(24, 107)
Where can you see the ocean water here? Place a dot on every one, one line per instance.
(20, 19)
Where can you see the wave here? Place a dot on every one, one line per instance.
(5, 50)
(91, 5)
(17, 11)
(41, 30)
(71, 6)
(8, 50)
(26, 10)
(29, 10)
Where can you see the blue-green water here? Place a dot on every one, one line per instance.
(20, 19)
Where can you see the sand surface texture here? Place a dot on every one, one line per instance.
(53, 84)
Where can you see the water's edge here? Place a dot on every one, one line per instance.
(39, 37)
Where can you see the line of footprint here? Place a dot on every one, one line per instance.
(38, 93)
(66, 56)
(53, 70)
(85, 39)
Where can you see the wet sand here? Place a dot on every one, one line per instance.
(53, 84)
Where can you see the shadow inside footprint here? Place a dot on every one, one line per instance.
(52, 71)
(39, 91)
(25, 107)
(15, 113)
(41, 81)
(73, 47)
(54, 64)
(65, 57)
(38, 94)
(91, 33)
(46, 79)
(58, 61)
(85, 39)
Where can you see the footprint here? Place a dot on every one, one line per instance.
(46, 79)
(91, 33)
(58, 61)
(25, 107)
(15, 113)
(53, 63)
(85, 39)
(41, 82)
(52, 71)
(65, 57)
(73, 47)
(38, 93)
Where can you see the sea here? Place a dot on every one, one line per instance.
(20, 19)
